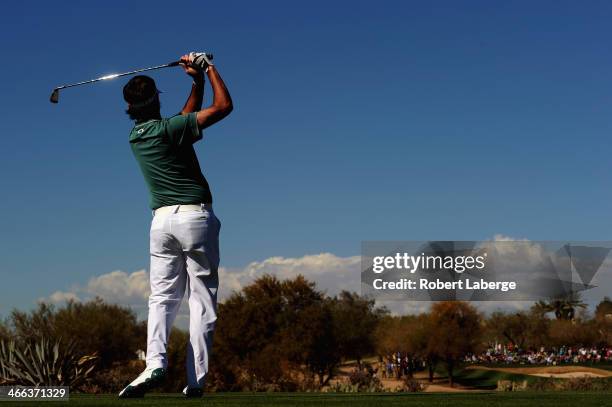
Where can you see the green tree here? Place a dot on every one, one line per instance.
(355, 321)
(604, 309)
(248, 325)
(307, 335)
(37, 324)
(422, 344)
(523, 329)
(573, 332)
(392, 334)
(275, 335)
(512, 328)
(455, 330)
(395, 334)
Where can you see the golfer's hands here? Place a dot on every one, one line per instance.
(192, 70)
(200, 60)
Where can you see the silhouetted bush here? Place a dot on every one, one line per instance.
(286, 335)
(115, 377)
(572, 384)
(111, 331)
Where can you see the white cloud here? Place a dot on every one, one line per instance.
(115, 287)
(121, 287)
(331, 274)
(62, 296)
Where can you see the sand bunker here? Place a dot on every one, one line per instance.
(562, 372)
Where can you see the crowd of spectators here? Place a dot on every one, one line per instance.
(553, 356)
(397, 365)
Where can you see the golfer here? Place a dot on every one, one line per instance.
(184, 239)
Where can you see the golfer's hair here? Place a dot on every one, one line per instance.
(141, 94)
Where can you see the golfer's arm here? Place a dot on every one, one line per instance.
(194, 102)
(221, 104)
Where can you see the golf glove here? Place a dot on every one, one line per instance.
(200, 60)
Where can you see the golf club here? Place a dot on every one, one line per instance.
(55, 94)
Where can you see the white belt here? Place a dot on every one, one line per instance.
(165, 210)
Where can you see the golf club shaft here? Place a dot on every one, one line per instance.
(117, 75)
(55, 94)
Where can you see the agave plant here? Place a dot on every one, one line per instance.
(43, 363)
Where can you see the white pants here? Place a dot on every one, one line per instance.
(184, 257)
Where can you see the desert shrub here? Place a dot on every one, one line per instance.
(265, 370)
(504, 385)
(573, 384)
(543, 384)
(342, 386)
(358, 381)
(111, 331)
(37, 324)
(365, 380)
(114, 378)
(345, 386)
(221, 377)
(412, 385)
(510, 385)
(120, 374)
(586, 384)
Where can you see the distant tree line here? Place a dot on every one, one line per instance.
(451, 330)
(273, 335)
(283, 335)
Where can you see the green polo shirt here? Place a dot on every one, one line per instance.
(164, 151)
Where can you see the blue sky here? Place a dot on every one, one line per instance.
(352, 121)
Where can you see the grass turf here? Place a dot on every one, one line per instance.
(488, 399)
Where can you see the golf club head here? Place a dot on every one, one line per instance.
(54, 96)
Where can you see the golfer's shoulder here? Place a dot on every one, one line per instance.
(182, 127)
(179, 120)
(147, 130)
